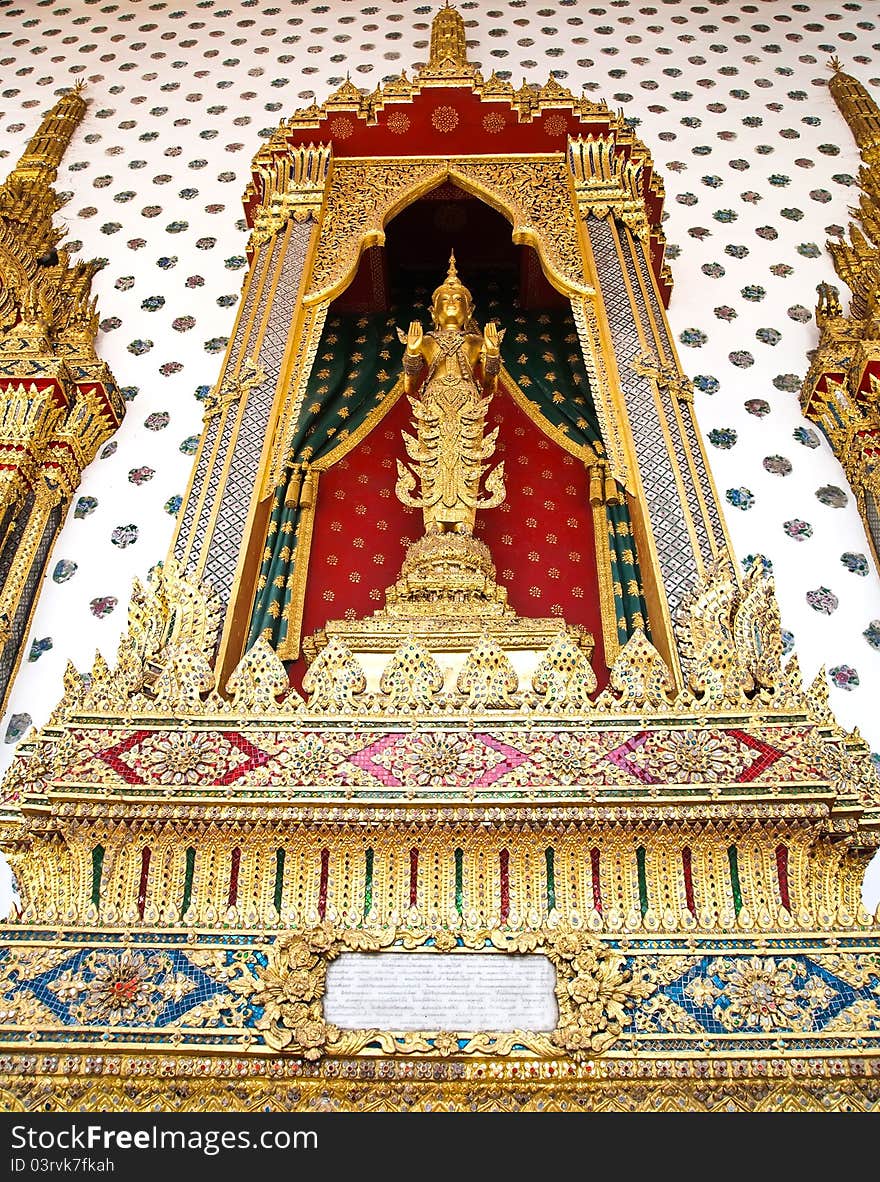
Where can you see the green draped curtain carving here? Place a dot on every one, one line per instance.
(542, 353)
(355, 372)
(356, 368)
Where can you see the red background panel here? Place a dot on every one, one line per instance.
(541, 538)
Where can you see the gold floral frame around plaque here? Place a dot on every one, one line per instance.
(594, 991)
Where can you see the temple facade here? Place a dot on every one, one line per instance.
(450, 759)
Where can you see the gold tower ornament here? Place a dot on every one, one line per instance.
(450, 415)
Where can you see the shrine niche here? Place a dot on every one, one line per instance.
(357, 712)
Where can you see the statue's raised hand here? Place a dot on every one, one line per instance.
(414, 337)
(492, 339)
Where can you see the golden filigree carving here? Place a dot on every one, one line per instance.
(448, 63)
(411, 680)
(444, 572)
(564, 678)
(290, 183)
(639, 678)
(758, 629)
(362, 197)
(259, 680)
(608, 181)
(840, 391)
(594, 991)
(731, 639)
(717, 672)
(533, 195)
(334, 680)
(234, 387)
(184, 678)
(665, 377)
(487, 678)
(58, 403)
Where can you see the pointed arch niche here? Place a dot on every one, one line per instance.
(554, 202)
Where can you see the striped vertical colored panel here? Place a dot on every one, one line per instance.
(687, 870)
(279, 879)
(189, 873)
(144, 879)
(413, 877)
(550, 859)
(643, 879)
(782, 875)
(504, 867)
(97, 869)
(459, 880)
(733, 860)
(368, 881)
(235, 864)
(322, 885)
(594, 874)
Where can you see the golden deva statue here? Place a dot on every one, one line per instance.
(450, 413)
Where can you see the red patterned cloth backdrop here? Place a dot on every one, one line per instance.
(541, 539)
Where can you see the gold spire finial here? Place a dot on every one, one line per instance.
(452, 273)
(859, 110)
(41, 157)
(448, 43)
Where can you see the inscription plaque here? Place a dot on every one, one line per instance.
(460, 991)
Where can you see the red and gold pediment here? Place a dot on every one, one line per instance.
(447, 109)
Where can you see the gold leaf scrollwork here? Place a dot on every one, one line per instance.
(594, 989)
(608, 181)
(259, 680)
(184, 679)
(639, 677)
(412, 679)
(487, 676)
(334, 679)
(564, 678)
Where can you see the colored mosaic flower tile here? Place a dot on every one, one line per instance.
(38, 647)
(778, 465)
(787, 642)
(843, 677)
(84, 506)
(872, 634)
(798, 530)
(693, 337)
(740, 498)
(102, 606)
(788, 382)
(723, 437)
(832, 496)
(124, 535)
(823, 600)
(741, 358)
(807, 436)
(759, 407)
(857, 564)
(706, 383)
(64, 569)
